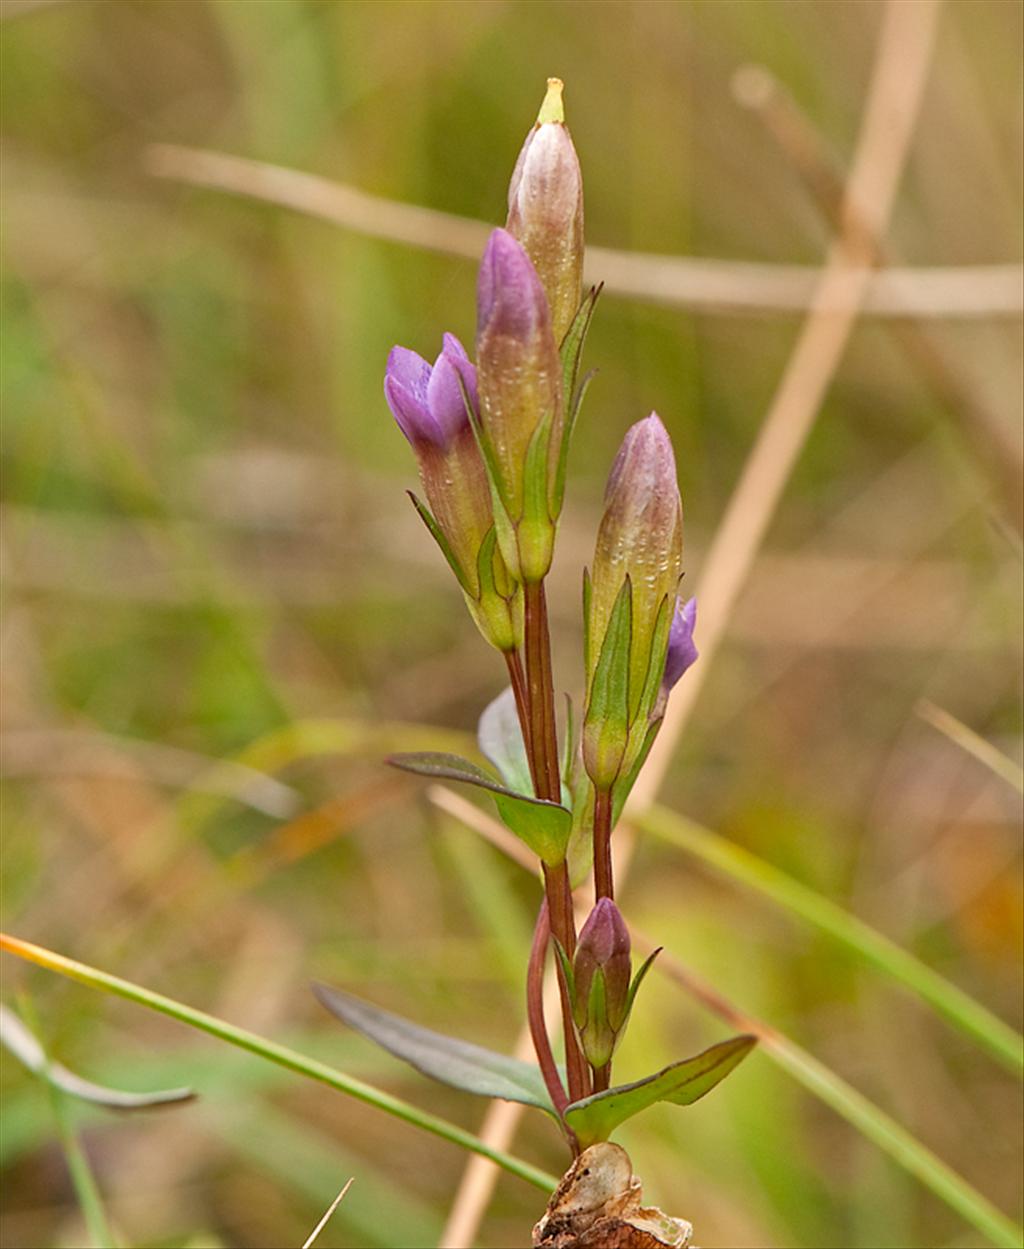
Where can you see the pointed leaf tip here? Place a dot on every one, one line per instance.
(595, 1118)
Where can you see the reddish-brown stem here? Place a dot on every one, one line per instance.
(543, 745)
(517, 677)
(602, 1077)
(563, 928)
(535, 1011)
(603, 884)
(541, 691)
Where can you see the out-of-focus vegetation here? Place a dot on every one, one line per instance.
(207, 547)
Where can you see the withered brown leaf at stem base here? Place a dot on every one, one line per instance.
(597, 1205)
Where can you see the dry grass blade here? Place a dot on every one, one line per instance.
(966, 738)
(901, 69)
(327, 1214)
(807, 150)
(676, 281)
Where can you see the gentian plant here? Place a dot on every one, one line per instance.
(491, 441)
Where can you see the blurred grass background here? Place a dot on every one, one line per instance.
(205, 541)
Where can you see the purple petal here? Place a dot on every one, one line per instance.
(453, 348)
(444, 398)
(510, 297)
(455, 354)
(411, 413)
(682, 651)
(410, 370)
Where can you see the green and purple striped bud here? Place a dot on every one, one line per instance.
(521, 411)
(545, 209)
(629, 601)
(429, 402)
(600, 989)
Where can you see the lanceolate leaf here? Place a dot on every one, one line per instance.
(447, 1059)
(17, 1038)
(595, 1118)
(543, 825)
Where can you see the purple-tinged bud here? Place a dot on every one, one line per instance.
(545, 209)
(429, 404)
(520, 385)
(640, 537)
(601, 982)
(682, 650)
(630, 600)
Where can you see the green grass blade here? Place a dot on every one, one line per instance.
(87, 1191)
(275, 1053)
(82, 1179)
(956, 1006)
(897, 1142)
(861, 1113)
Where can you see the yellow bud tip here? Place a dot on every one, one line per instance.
(552, 109)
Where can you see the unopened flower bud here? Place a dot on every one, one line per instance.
(631, 597)
(601, 982)
(429, 404)
(545, 209)
(521, 412)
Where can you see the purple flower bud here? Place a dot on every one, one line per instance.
(601, 982)
(430, 408)
(641, 536)
(682, 650)
(427, 402)
(520, 380)
(510, 300)
(545, 209)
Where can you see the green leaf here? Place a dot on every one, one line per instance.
(544, 826)
(500, 737)
(595, 1118)
(17, 1037)
(273, 1052)
(451, 1061)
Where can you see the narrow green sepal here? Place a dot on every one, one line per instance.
(645, 693)
(567, 972)
(648, 963)
(570, 744)
(535, 532)
(627, 780)
(427, 517)
(571, 352)
(606, 723)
